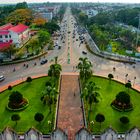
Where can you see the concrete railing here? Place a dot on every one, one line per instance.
(95, 49)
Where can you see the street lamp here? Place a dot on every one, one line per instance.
(92, 124)
(126, 78)
(49, 123)
(134, 80)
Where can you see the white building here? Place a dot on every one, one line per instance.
(83, 134)
(17, 35)
(47, 15)
(109, 134)
(133, 134)
(33, 134)
(59, 134)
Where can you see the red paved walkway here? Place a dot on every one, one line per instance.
(70, 117)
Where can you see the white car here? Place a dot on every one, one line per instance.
(2, 78)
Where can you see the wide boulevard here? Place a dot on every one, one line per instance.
(68, 57)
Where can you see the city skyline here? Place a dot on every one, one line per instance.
(39, 1)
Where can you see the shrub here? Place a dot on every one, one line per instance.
(39, 117)
(122, 102)
(9, 87)
(123, 97)
(124, 120)
(16, 101)
(48, 83)
(29, 79)
(16, 97)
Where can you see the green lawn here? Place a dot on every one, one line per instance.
(108, 93)
(32, 91)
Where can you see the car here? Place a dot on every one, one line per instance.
(43, 61)
(2, 78)
(84, 52)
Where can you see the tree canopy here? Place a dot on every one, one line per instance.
(123, 97)
(20, 16)
(15, 97)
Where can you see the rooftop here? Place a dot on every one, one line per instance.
(19, 28)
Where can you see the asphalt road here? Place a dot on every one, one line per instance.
(68, 57)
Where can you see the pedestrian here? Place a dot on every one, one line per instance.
(74, 94)
(14, 70)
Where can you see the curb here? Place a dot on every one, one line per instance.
(23, 60)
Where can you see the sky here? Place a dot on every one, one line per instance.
(31, 1)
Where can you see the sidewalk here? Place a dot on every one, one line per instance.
(70, 117)
(16, 82)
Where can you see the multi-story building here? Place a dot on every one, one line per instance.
(17, 35)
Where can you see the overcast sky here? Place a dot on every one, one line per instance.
(121, 1)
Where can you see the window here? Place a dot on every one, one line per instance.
(9, 36)
(0, 36)
(6, 36)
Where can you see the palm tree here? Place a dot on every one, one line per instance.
(90, 93)
(49, 96)
(55, 70)
(110, 76)
(85, 68)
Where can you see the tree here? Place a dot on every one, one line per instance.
(52, 27)
(123, 98)
(22, 5)
(124, 120)
(16, 97)
(39, 117)
(43, 37)
(23, 16)
(11, 50)
(15, 117)
(9, 87)
(39, 21)
(34, 43)
(128, 85)
(29, 79)
(110, 76)
(90, 93)
(54, 70)
(49, 95)
(100, 118)
(85, 68)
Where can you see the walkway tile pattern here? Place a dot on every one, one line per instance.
(70, 117)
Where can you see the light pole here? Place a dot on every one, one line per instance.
(126, 78)
(134, 80)
(92, 124)
(49, 124)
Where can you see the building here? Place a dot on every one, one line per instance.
(47, 15)
(33, 134)
(8, 134)
(83, 134)
(59, 134)
(17, 35)
(133, 134)
(109, 134)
